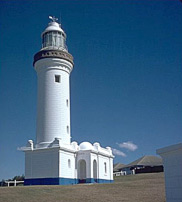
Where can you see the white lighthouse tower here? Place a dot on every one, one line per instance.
(53, 158)
(53, 65)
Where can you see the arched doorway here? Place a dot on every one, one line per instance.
(82, 171)
(95, 170)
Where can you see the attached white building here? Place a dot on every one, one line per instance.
(53, 158)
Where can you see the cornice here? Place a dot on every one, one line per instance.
(53, 54)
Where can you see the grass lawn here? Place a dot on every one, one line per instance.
(133, 188)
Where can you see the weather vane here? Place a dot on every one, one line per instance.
(53, 18)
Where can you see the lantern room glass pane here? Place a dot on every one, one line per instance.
(54, 39)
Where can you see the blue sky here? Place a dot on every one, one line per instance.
(126, 86)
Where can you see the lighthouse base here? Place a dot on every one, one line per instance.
(68, 164)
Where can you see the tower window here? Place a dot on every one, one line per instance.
(67, 102)
(68, 129)
(105, 167)
(57, 78)
(69, 163)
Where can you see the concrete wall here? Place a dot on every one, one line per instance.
(172, 160)
(66, 165)
(41, 164)
(108, 173)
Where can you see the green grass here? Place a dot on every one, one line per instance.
(138, 188)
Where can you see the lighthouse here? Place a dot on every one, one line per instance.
(53, 159)
(53, 65)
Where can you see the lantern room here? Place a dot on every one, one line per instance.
(54, 37)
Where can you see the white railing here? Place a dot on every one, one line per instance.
(15, 182)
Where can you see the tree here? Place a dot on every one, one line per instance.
(19, 178)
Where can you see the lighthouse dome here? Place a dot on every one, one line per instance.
(54, 26)
(86, 146)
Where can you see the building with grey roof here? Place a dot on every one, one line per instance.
(145, 164)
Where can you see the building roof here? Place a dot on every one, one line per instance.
(117, 167)
(146, 161)
(170, 148)
(53, 26)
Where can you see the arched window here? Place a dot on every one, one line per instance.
(67, 102)
(69, 163)
(67, 129)
(105, 167)
(95, 170)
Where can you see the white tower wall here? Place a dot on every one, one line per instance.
(53, 109)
